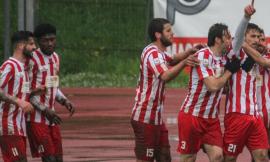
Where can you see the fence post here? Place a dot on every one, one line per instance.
(21, 14)
(6, 29)
(149, 16)
(29, 14)
(26, 19)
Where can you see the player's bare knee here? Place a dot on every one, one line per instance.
(187, 157)
(217, 157)
(48, 159)
(59, 158)
(229, 159)
(261, 158)
(260, 155)
(21, 160)
(164, 155)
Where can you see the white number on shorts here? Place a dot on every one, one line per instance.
(40, 149)
(150, 152)
(183, 145)
(232, 148)
(15, 151)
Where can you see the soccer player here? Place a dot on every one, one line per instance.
(263, 84)
(151, 134)
(257, 50)
(14, 86)
(198, 121)
(44, 132)
(243, 123)
(263, 93)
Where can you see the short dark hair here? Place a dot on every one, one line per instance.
(20, 36)
(44, 29)
(261, 30)
(216, 31)
(252, 26)
(156, 25)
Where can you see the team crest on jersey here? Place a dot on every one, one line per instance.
(156, 61)
(30, 66)
(205, 62)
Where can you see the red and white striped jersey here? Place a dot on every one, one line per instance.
(43, 70)
(242, 91)
(150, 90)
(199, 101)
(14, 81)
(263, 94)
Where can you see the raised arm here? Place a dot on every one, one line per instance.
(241, 29)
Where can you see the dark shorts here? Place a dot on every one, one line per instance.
(44, 140)
(149, 139)
(13, 147)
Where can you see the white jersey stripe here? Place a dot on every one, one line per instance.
(12, 80)
(242, 97)
(199, 101)
(149, 97)
(43, 69)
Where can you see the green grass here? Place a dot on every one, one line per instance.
(99, 41)
(113, 80)
(89, 31)
(98, 80)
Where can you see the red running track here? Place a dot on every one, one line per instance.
(100, 129)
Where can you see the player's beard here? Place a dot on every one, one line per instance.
(166, 42)
(27, 53)
(48, 50)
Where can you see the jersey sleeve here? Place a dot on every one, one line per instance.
(33, 70)
(232, 54)
(157, 63)
(7, 72)
(56, 57)
(204, 70)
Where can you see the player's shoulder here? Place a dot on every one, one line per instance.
(9, 62)
(55, 54)
(8, 65)
(150, 48)
(204, 53)
(35, 54)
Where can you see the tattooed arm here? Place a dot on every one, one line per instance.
(8, 98)
(26, 106)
